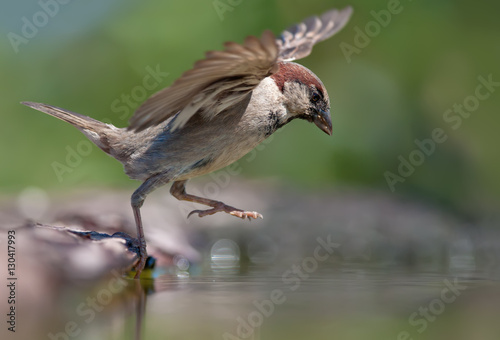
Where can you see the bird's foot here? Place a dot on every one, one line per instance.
(221, 207)
(143, 256)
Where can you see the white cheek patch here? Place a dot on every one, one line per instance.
(297, 98)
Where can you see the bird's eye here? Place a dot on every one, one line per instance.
(315, 97)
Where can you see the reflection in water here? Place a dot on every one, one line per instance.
(329, 303)
(124, 317)
(313, 296)
(140, 309)
(114, 309)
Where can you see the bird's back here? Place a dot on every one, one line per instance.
(202, 146)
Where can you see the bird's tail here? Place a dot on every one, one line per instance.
(105, 136)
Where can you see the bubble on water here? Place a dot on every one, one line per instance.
(33, 202)
(181, 262)
(225, 254)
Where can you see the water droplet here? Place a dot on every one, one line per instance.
(225, 254)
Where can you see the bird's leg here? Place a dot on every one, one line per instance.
(137, 201)
(178, 190)
(143, 255)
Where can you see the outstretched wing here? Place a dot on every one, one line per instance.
(225, 78)
(221, 80)
(297, 41)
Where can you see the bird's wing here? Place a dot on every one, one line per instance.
(297, 41)
(221, 80)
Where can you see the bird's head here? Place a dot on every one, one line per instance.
(305, 95)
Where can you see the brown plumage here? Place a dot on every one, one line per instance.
(215, 113)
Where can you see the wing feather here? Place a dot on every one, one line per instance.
(233, 72)
(297, 41)
(225, 78)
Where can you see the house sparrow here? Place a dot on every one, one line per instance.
(215, 113)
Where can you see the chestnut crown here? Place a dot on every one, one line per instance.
(305, 95)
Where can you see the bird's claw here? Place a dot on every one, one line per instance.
(246, 214)
(229, 210)
(143, 256)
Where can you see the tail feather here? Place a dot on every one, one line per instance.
(76, 119)
(101, 134)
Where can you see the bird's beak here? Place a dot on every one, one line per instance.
(323, 121)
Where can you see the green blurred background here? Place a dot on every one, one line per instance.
(392, 91)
